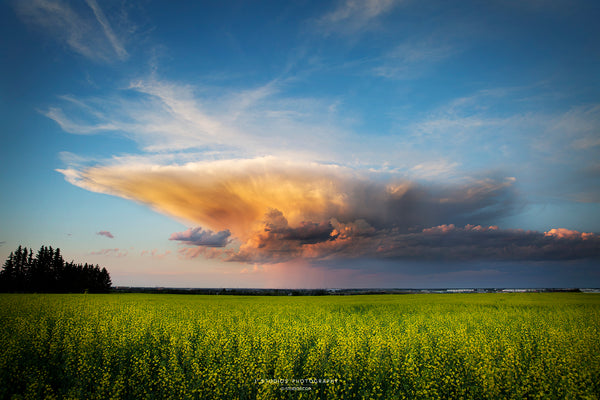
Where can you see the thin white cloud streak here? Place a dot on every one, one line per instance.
(91, 36)
(164, 116)
(458, 118)
(437, 169)
(468, 119)
(354, 16)
(174, 123)
(108, 32)
(116, 252)
(154, 253)
(485, 130)
(70, 126)
(414, 58)
(580, 126)
(175, 119)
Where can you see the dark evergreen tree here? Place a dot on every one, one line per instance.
(48, 272)
(8, 273)
(104, 279)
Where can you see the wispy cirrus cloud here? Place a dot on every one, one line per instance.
(115, 42)
(86, 30)
(439, 169)
(413, 58)
(116, 252)
(162, 116)
(574, 127)
(354, 16)
(577, 128)
(487, 122)
(154, 253)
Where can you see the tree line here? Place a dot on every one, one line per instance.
(48, 272)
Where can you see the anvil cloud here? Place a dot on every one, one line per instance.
(234, 195)
(277, 211)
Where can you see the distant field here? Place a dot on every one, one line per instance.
(451, 346)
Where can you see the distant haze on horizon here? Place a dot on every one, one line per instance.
(341, 144)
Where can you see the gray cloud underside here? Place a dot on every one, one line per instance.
(459, 244)
(199, 237)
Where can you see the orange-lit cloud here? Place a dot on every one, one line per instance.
(562, 233)
(235, 195)
(225, 195)
(271, 211)
(267, 210)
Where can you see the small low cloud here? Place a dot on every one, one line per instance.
(106, 234)
(562, 233)
(199, 237)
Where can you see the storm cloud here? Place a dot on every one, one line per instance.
(235, 195)
(359, 240)
(269, 211)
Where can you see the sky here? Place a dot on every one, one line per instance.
(305, 144)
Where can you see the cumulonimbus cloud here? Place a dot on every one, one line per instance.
(235, 195)
(272, 211)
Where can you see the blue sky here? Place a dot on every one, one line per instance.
(305, 144)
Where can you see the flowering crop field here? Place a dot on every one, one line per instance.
(424, 346)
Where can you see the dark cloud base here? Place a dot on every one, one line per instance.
(333, 240)
(200, 237)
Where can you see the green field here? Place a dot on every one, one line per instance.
(425, 346)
